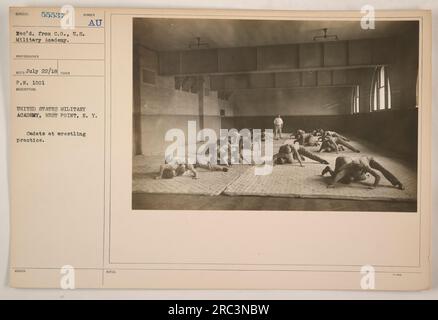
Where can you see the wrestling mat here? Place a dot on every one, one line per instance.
(209, 183)
(288, 180)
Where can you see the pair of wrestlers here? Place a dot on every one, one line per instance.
(178, 167)
(346, 170)
(331, 141)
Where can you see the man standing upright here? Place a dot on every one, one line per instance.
(278, 126)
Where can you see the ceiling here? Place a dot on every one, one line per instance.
(176, 34)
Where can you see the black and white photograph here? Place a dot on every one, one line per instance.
(220, 152)
(280, 115)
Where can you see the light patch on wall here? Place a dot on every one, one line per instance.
(331, 106)
(148, 77)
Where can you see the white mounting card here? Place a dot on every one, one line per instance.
(100, 95)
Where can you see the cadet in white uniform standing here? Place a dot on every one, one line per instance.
(278, 126)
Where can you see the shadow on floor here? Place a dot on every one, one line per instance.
(142, 201)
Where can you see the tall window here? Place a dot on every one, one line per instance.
(356, 99)
(380, 90)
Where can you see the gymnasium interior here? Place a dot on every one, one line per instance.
(224, 74)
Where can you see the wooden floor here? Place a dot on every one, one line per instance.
(221, 202)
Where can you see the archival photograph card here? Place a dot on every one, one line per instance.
(220, 149)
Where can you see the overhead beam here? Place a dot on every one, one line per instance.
(280, 71)
(313, 56)
(282, 80)
(284, 88)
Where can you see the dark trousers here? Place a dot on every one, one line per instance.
(388, 175)
(344, 143)
(305, 153)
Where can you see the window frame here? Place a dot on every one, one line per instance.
(377, 86)
(356, 100)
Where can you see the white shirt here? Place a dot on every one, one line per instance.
(278, 121)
